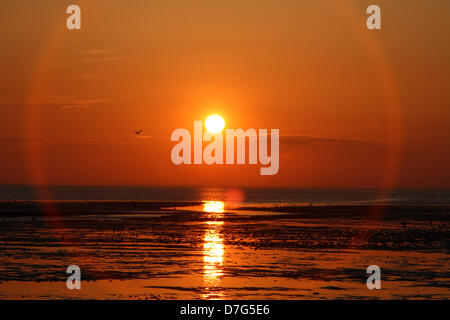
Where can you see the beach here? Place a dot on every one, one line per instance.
(208, 250)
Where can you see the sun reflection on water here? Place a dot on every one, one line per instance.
(213, 250)
(214, 206)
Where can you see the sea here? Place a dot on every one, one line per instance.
(213, 252)
(244, 195)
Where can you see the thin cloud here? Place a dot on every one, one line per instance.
(95, 51)
(21, 140)
(142, 137)
(9, 101)
(309, 139)
(293, 143)
(101, 59)
(74, 141)
(59, 100)
(74, 107)
(305, 139)
(98, 55)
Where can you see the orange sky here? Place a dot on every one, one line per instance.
(355, 108)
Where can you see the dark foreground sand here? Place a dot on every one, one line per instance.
(167, 250)
(70, 208)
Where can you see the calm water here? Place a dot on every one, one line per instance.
(213, 252)
(246, 195)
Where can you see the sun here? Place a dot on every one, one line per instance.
(214, 123)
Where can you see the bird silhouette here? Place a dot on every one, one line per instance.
(138, 132)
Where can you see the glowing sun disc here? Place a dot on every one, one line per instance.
(214, 123)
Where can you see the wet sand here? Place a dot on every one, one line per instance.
(169, 250)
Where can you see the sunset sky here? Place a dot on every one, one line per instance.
(355, 107)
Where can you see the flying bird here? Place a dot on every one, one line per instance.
(138, 132)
